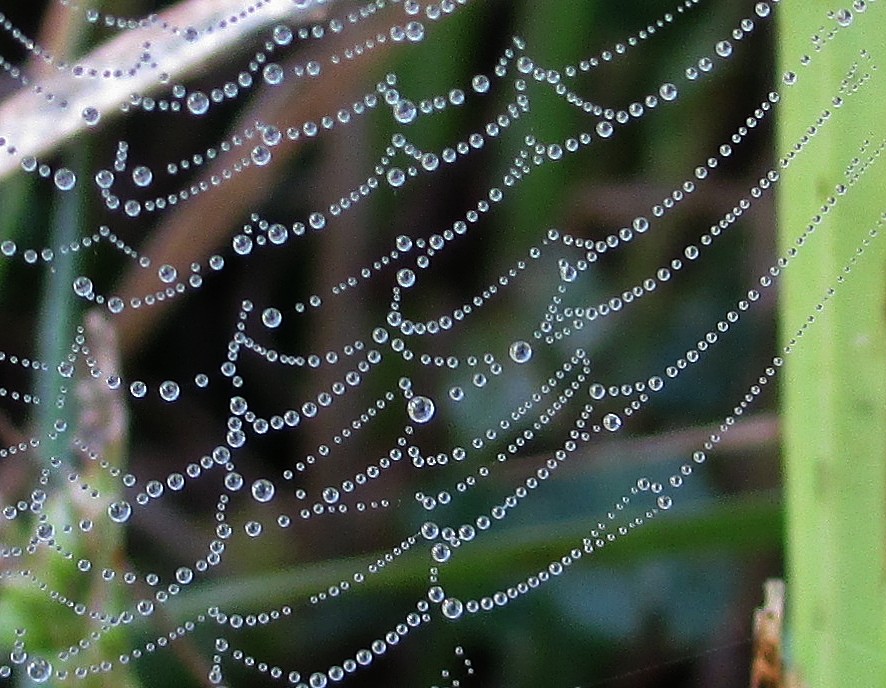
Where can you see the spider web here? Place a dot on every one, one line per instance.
(375, 411)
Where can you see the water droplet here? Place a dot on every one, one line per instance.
(253, 528)
(198, 103)
(520, 351)
(480, 83)
(330, 495)
(184, 575)
(65, 179)
(415, 31)
(104, 179)
(83, 286)
(169, 390)
(39, 670)
(282, 34)
(119, 512)
(138, 389)
(420, 409)
(142, 175)
(91, 116)
(668, 91)
(263, 490)
(396, 177)
(273, 74)
(271, 317)
(843, 17)
(405, 111)
(441, 553)
(568, 273)
(242, 244)
(611, 422)
(604, 129)
(167, 274)
(233, 481)
(116, 304)
(261, 156)
(723, 48)
(452, 608)
(405, 277)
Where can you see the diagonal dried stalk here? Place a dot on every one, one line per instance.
(34, 126)
(193, 231)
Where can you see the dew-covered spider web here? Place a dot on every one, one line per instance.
(353, 343)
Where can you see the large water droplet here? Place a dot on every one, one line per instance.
(520, 351)
(142, 175)
(261, 156)
(198, 103)
(167, 274)
(611, 422)
(91, 116)
(723, 48)
(668, 91)
(282, 34)
(263, 490)
(452, 608)
(119, 512)
(83, 286)
(65, 179)
(169, 390)
(271, 317)
(420, 409)
(273, 74)
(39, 670)
(405, 277)
(480, 83)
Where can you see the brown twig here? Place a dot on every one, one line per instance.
(766, 669)
(193, 231)
(35, 126)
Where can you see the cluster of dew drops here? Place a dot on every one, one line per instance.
(399, 338)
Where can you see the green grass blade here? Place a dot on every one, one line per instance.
(834, 389)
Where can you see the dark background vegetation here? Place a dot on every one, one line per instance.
(672, 608)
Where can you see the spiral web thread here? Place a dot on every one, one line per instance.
(79, 492)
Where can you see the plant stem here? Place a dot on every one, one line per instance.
(834, 386)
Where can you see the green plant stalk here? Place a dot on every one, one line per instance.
(834, 385)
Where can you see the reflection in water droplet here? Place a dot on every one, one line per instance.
(263, 490)
(520, 351)
(119, 512)
(142, 176)
(452, 608)
(169, 390)
(198, 103)
(611, 422)
(271, 317)
(65, 179)
(420, 409)
(39, 670)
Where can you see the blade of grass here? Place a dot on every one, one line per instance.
(834, 388)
